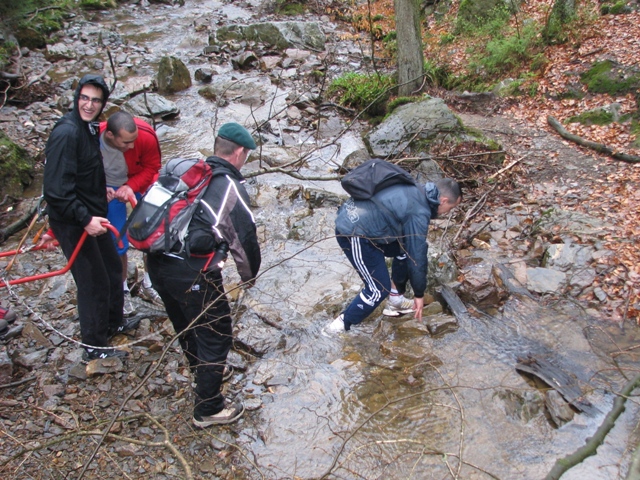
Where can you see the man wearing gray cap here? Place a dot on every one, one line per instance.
(190, 284)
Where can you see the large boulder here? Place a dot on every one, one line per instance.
(173, 75)
(281, 35)
(423, 120)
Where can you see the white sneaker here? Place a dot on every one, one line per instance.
(149, 294)
(335, 327)
(128, 309)
(398, 305)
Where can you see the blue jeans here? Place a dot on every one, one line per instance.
(368, 259)
(117, 215)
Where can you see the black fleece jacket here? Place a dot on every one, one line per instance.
(74, 181)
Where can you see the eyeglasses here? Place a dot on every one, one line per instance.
(94, 100)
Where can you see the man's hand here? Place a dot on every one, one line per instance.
(47, 241)
(124, 193)
(95, 228)
(111, 194)
(418, 305)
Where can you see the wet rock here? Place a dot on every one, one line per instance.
(414, 326)
(271, 373)
(6, 366)
(256, 335)
(137, 85)
(250, 92)
(281, 35)
(244, 61)
(317, 198)
(522, 406)
(440, 324)
(559, 410)
(173, 75)
(252, 404)
(158, 106)
(203, 75)
(120, 94)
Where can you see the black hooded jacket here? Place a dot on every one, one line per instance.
(224, 214)
(74, 181)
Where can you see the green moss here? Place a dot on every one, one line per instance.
(603, 77)
(592, 117)
(397, 102)
(98, 4)
(290, 9)
(362, 92)
(16, 167)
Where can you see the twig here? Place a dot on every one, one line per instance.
(592, 444)
(504, 169)
(473, 211)
(19, 382)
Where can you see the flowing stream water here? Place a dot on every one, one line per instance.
(386, 400)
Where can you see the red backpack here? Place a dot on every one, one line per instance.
(160, 220)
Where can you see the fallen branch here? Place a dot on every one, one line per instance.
(292, 174)
(18, 224)
(598, 147)
(590, 448)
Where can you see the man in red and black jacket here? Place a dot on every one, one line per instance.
(132, 159)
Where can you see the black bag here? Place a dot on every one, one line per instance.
(364, 181)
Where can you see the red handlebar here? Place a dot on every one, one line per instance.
(66, 268)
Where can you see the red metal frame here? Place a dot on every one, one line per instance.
(66, 268)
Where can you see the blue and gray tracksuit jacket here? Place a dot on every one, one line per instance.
(398, 213)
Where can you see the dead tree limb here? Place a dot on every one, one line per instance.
(590, 448)
(598, 147)
(18, 224)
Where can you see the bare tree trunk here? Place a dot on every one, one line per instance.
(410, 55)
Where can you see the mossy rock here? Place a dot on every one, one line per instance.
(16, 168)
(597, 116)
(612, 78)
(98, 4)
(173, 75)
(30, 38)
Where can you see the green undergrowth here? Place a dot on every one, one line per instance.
(368, 92)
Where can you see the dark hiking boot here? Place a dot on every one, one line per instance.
(128, 325)
(95, 353)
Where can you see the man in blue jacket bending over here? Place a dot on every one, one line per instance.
(394, 224)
